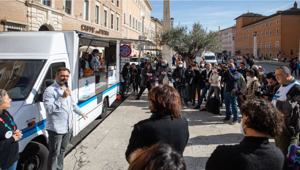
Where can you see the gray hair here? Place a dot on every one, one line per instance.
(2, 95)
(285, 69)
(254, 66)
(165, 61)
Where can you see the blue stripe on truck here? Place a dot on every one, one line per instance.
(82, 104)
(33, 129)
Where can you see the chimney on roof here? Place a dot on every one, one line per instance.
(219, 28)
(295, 5)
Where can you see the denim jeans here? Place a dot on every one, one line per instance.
(182, 88)
(13, 167)
(231, 106)
(204, 90)
(57, 146)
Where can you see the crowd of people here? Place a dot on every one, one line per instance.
(268, 102)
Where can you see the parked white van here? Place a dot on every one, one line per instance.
(28, 62)
(208, 57)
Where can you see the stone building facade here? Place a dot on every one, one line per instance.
(277, 35)
(227, 40)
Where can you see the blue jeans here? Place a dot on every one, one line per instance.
(183, 89)
(13, 167)
(230, 104)
(204, 90)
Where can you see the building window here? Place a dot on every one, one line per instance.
(136, 24)
(243, 37)
(262, 34)
(267, 45)
(68, 6)
(270, 23)
(277, 31)
(277, 21)
(270, 32)
(117, 23)
(257, 27)
(86, 10)
(133, 22)
(266, 24)
(130, 20)
(97, 14)
(47, 2)
(118, 3)
(112, 21)
(261, 45)
(105, 18)
(112, 1)
(277, 44)
(262, 26)
(270, 45)
(124, 18)
(266, 33)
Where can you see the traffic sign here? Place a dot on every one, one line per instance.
(125, 51)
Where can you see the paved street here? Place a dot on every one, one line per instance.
(105, 147)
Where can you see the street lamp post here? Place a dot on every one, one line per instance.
(255, 46)
(233, 49)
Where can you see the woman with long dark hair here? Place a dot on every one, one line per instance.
(135, 78)
(125, 80)
(166, 123)
(148, 79)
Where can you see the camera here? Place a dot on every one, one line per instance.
(263, 92)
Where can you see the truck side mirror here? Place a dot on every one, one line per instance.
(38, 98)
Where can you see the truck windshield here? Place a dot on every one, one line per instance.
(18, 76)
(210, 57)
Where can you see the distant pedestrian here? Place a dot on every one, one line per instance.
(179, 77)
(148, 79)
(165, 125)
(135, 78)
(125, 75)
(173, 60)
(293, 66)
(164, 72)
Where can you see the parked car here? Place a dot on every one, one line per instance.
(274, 59)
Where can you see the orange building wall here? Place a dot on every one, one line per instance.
(291, 34)
(288, 36)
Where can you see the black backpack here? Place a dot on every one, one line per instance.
(293, 120)
(213, 106)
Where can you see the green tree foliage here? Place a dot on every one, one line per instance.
(188, 43)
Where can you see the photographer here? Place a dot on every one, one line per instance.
(286, 101)
(231, 78)
(273, 86)
(179, 75)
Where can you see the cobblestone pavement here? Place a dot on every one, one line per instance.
(104, 148)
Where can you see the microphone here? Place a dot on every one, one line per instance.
(66, 84)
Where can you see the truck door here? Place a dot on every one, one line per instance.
(50, 75)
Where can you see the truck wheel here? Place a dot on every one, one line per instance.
(34, 157)
(104, 109)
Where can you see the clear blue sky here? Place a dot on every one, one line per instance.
(212, 14)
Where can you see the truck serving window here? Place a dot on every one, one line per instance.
(18, 76)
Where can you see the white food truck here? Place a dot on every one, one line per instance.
(28, 62)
